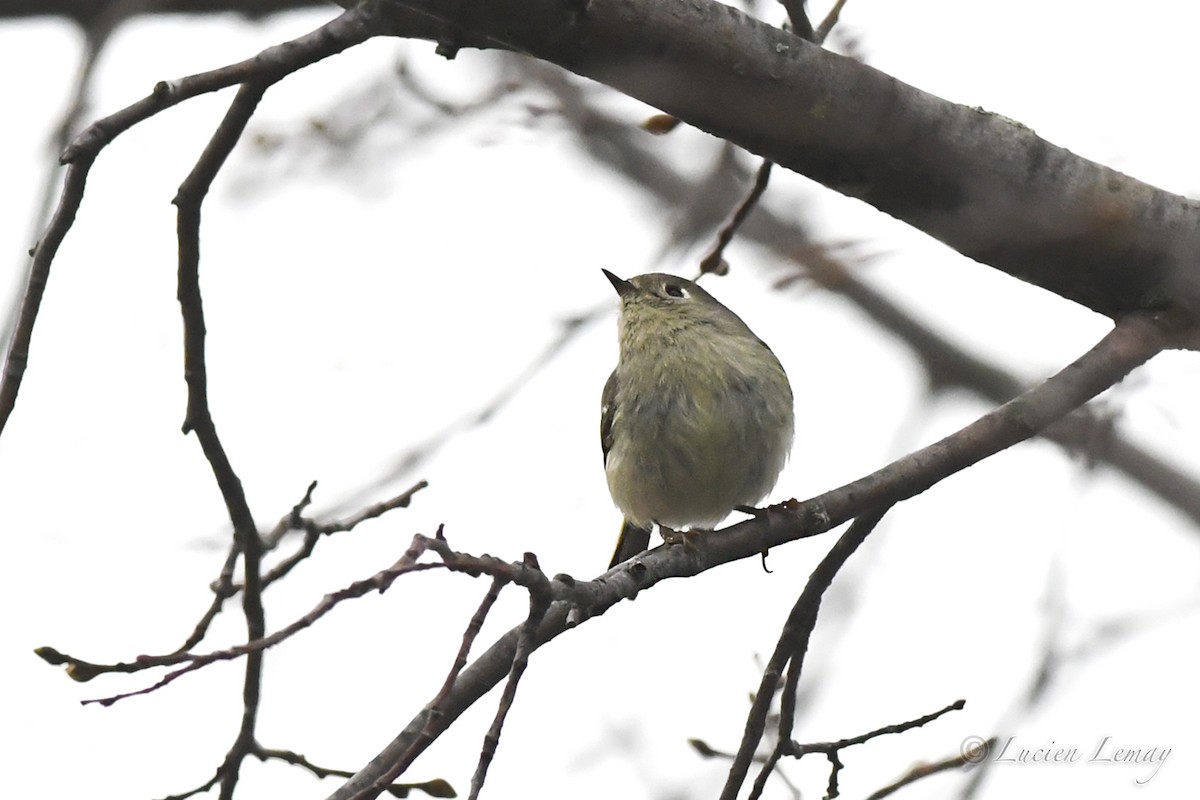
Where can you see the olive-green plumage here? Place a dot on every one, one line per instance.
(697, 416)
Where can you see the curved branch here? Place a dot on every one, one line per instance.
(1133, 341)
(985, 185)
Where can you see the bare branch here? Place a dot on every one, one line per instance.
(798, 17)
(968, 759)
(199, 419)
(822, 32)
(832, 750)
(713, 260)
(272, 64)
(379, 582)
(523, 574)
(313, 530)
(981, 183)
(434, 788)
(223, 588)
(539, 603)
(791, 648)
(469, 636)
(1133, 341)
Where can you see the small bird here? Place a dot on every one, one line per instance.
(696, 420)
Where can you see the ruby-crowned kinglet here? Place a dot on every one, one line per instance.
(696, 419)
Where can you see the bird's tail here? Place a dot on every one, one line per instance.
(632, 541)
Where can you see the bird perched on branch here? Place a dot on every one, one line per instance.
(696, 419)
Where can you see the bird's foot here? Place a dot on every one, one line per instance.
(672, 536)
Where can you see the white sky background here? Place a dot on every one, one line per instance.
(354, 309)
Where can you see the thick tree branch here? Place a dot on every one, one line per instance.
(1134, 340)
(985, 185)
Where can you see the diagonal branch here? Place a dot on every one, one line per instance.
(539, 602)
(968, 759)
(986, 186)
(1132, 341)
(791, 649)
(524, 574)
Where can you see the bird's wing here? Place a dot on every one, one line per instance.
(608, 410)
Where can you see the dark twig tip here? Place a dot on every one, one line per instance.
(50, 655)
(660, 124)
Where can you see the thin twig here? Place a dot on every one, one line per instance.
(434, 788)
(39, 275)
(967, 759)
(797, 750)
(522, 574)
(95, 36)
(350, 28)
(291, 521)
(313, 530)
(539, 603)
(791, 647)
(832, 750)
(379, 582)
(714, 260)
(468, 639)
(433, 713)
(201, 789)
(831, 19)
(222, 588)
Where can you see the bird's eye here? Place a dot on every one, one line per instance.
(674, 290)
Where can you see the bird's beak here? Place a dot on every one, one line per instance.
(623, 287)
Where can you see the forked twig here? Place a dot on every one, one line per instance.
(1134, 340)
